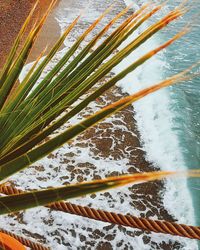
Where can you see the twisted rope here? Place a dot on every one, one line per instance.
(25, 242)
(156, 226)
(129, 221)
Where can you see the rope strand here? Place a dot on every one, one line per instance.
(156, 226)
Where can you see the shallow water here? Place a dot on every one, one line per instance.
(169, 120)
(185, 98)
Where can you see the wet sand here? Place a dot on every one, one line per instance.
(12, 15)
(145, 198)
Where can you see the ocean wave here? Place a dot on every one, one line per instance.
(155, 117)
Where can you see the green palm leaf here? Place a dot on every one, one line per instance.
(28, 157)
(37, 108)
(19, 62)
(15, 203)
(75, 85)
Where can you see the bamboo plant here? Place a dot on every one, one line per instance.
(33, 110)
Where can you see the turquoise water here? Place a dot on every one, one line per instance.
(185, 98)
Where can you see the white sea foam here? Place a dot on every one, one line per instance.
(155, 123)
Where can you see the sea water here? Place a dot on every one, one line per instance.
(185, 98)
(169, 121)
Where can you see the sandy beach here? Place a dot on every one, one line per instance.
(115, 140)
(13, 14)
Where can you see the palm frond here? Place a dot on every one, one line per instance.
(37, 108)
(17, 202)
(23, 157)
(15, 46)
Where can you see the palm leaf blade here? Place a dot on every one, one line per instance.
(14, 203)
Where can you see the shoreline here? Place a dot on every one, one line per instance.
(100, 142)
